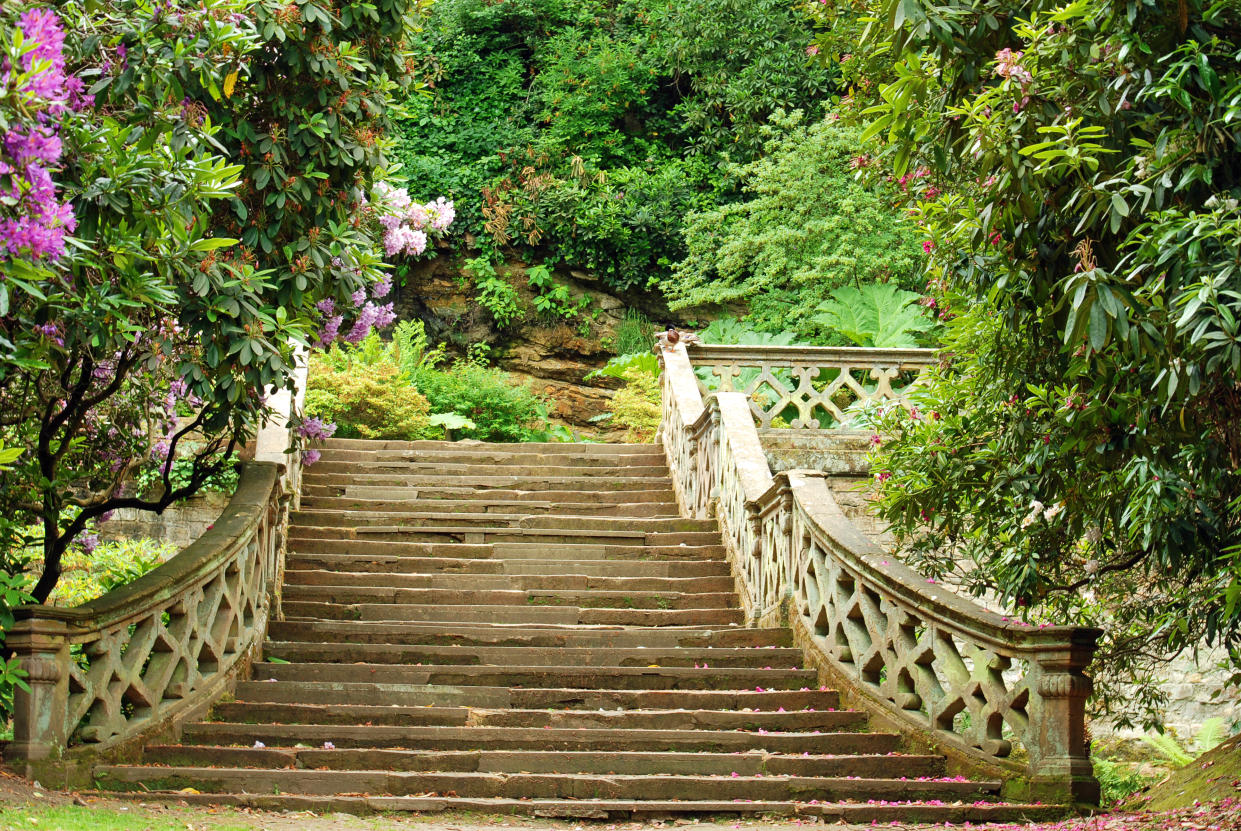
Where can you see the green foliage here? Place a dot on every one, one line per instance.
(562, 126)
(876, 315)
(552, 300)
(1118, 780)
(367, 399)
(494, 293)
(110, 565)
(743, 59)
(14, 591)
(623, 224)
(730, 330)
(1211, 733)
(179, 473)
(501, 410)
(646, 363)
(803, 227)
(636, 333)
(1085, 462)
(220, 190)
(636, 406)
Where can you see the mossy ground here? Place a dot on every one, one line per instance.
(1212, 777)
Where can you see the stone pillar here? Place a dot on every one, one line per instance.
(1060, 760)
(40, 715)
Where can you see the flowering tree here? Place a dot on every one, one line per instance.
(1078, 454)
(153, 287)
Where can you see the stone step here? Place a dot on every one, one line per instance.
(654, 457)
(499, 582)
(523, 468)
(449, 491)
(302, 690)
(510, 449)
(529, 656)
(543, 676)
(486, 505)
(334, 518)
(548, 636)
(493, 480)
(534, 738)
(584, 599)
(887, 812)
(803, 721)
(456, 533)
(573, 553)
(539, 785)
(429, 566)
(569, 615)
(559, 761)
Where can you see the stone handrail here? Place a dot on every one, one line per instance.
(998, 697)
(820, 382)
(130, 666)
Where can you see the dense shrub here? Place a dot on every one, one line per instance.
(109, 565)
(636, 406)
(216, 163)
(803, 227)
(1076, 173)
(368, 401)
(587, 130)
(500, 409)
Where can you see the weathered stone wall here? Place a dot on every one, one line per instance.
(179, 524)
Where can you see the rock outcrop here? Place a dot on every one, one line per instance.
(552, 355)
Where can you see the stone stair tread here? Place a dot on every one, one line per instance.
(548, 522)
(347, 713)
(499, 581)
(541, 552)
(426, 566)
(507, 656)
(857, 812)
(526, 613)
(362, 692)
(534, 761)
(761, 679)
(495, 784)
(451, 492)
(532, 738)
(546, 635)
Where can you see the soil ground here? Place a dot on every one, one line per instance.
(27, 807)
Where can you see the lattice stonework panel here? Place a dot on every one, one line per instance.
(810, 388)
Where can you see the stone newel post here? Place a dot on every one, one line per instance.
(39, 716)
(1060, 761)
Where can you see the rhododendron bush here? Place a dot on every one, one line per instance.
(1076, 174)
(189, 190)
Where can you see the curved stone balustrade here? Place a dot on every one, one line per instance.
(999, 697)
(821, 383)
(132, 665)
(146, 654)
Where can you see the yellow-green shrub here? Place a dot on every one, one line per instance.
(636, 406)
(368, 401)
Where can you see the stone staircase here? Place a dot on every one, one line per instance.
(532, 629)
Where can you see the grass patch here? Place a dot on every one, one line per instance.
(95, 818)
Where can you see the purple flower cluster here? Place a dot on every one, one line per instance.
(406, 223)
(38, 93)
(316, 429)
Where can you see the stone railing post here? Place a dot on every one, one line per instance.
(1059, 753)
(42, 647)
